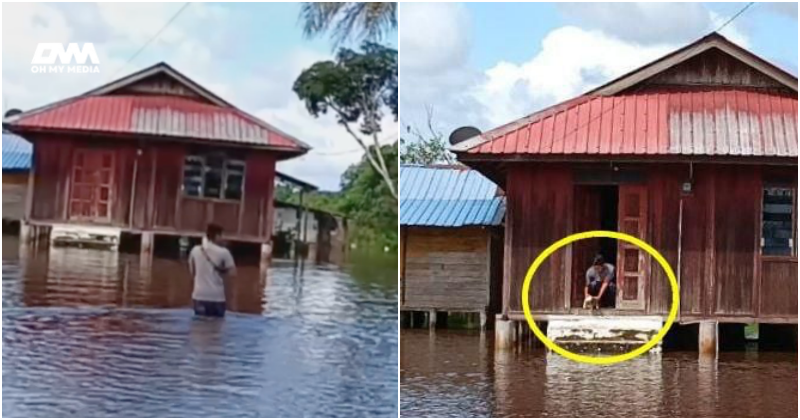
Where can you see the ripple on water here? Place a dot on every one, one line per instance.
(88, 335)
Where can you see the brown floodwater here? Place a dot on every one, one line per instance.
(458, 374)
(91, 333)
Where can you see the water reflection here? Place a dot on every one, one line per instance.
(457, 374)
(87, 333)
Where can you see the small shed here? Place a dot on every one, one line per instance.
(695, 153)
(450, 240)
(17, 154)
(153, 153)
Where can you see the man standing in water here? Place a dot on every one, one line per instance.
(210, 263)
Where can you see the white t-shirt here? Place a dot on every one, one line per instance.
(208, 281)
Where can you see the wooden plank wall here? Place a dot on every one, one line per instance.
(722, 273)
(157, 200)
(15, 191)
(447, 269)
(540, 202)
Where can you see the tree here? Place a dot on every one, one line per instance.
(349, 20)
(425, 149)
(356, 87)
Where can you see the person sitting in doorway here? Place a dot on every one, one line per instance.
(600, 290)
(209, 264)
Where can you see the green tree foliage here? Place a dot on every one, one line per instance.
(425, 149)
(358, 88)
(349, 20)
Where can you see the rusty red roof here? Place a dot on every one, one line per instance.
(157, 101)
(734, 122)
(710, 98)
(158, 116)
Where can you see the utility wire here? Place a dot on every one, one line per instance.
(747, 6)
(153, 38)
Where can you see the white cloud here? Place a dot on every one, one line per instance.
(435, 36)
(649, 22)
(571, 61)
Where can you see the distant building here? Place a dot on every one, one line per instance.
(451, 242)
(17, 154)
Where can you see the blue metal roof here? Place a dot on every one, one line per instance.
(17, 153)
(448, 197)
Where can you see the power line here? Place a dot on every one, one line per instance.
(747, 6)
(152, 38)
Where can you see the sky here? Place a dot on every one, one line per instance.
(247, 53)
(488, 64)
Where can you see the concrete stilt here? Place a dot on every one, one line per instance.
(147, 244)
(432, 320)
(483, 320)
(25, 232)
(708, 338)
(504, 334)
(266, 259)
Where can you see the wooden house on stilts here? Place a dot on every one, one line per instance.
(695, 153)
(153, 153)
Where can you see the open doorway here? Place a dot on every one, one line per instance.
(596, 208)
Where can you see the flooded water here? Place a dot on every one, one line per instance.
(91, 333)
(456, 374)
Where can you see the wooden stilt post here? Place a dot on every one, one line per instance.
(483, 320)
(432, 319)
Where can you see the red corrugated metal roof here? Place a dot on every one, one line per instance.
(709, 122)
(157, 115)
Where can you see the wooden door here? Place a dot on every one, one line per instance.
(632, 261)
(92, 186)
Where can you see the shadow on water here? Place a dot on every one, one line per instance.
(458, 374)
(93, 333)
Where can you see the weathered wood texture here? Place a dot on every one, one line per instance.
(722, 272)
(446, 269)
(714, 68)
(153, 180)
(539, 199)
(15, 188)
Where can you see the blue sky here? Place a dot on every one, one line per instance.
(486, 64)
(248, 53)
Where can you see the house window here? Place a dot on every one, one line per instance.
(213, 176)
(778, 221)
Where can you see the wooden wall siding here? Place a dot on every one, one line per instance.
(714, 68)
(696, 262)
(721, 266)
(15, 188)
(53, 163)
(158, 202)
(447, 268)
(160, 84)
(737, 198)
(169, 175)
(664, 185)
(778, 294)
(540, 200)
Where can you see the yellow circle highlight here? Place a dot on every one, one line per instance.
(600, 360)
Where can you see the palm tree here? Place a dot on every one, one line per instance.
(348, 20)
